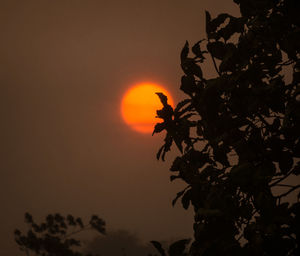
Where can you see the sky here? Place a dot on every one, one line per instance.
(64, 67)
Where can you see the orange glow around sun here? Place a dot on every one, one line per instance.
(139, 105)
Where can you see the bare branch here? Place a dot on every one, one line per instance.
(288, 192)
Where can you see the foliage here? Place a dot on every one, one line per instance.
(238, 132)
(53, 237)
(177, 248)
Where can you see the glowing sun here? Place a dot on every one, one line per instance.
(139, 105)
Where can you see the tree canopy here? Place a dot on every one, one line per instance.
(239, 132)
(55, 236)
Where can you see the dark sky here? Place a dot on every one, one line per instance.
(64, 66)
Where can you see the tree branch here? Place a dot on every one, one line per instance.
(291, 190)
(281, 179)
(87, 227)
(285, 185)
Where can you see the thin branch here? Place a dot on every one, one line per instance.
(285, 185)
(291, 190)
(286, 63)
(87, 227)
(281, 179)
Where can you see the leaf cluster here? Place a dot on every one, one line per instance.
(239, 132)
(54, 236)
(178, 248)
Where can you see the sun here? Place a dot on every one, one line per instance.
(139, 105)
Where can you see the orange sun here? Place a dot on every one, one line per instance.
(139, 105)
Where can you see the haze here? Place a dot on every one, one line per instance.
(64, 148)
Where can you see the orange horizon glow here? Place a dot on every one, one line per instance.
(139, 105)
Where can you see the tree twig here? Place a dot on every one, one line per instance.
(291, 190)
(87, 227)
(281, 179)
(285, 185)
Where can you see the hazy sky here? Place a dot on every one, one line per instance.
(64, 66)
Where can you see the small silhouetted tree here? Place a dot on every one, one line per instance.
(55, 236)
(239, 132)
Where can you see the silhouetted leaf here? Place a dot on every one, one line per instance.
(217, 49)
(188, 84)
(28, 218)
(184, 52)
(79, 221)
(179, 194)
(285, 161)
(186, 198)
(163, 98)
(178, 248)
(158, 128)
(196, 49)
(158, 247)
(213, 24)
(97, 224)
(208, 19)
(174, 177)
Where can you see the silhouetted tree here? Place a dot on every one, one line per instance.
(239, 132)
(55, 236)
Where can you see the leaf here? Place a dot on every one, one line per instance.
(17, 232)
(235, 25)
(174, 177)
(97, 224)
(217, 49)
(285, 162)
(184, 52)
(159, 152)
(188, 85)
(158, 247)
(207, 23)
(196, 70)
(176, 164)
(179, 110)
(213, 24)
(178, 141)
(79, 221)
(28, 218)
(179, 194)
(196, 49)
(159, 127)
(178, 247)
(186, 198)
(163, 98)
(181, 104)
(70, 220)
(165, 113)
(190, 68)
